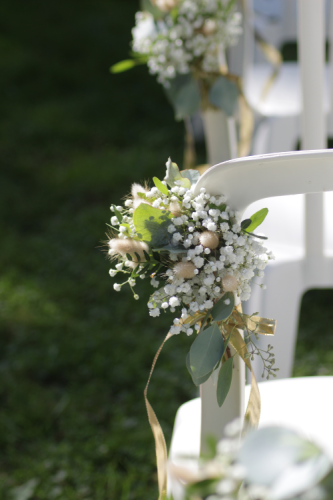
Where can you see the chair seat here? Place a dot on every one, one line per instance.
(284, 97)
(303, 404)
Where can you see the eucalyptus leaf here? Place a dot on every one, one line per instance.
(184, 95)
(206, 351)
(151, 225)
(224, 381)
(161, 187)
(173, 174)
(224, 95)
(221, 311)
(257, 219)
(196, 381)
(192, 175)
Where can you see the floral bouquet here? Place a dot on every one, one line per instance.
(183, 43)
(201, 259)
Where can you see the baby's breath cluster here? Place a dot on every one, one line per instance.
(189, 36)
(205, 250)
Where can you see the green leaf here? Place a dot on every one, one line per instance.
(206, 351)
(173, 174)
(192, 175)
(146, 256)
(246, 223)
(151, 225)
(123, 66)
(224, 95)
(147, 6)
(257, 219)
(196, 381)
(184, 95)
(161, 187)
(221, 207)
(221, 311)
(224, 381)
(129, 257)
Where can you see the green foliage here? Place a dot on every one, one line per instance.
(224, 381)
(173, 174)
(161, 187)
(224, 95)
(123, 66)
(257, 219)
(206, 351)
(196, 380)
(184, 95)
(221, 311)
(192, 175)
(151, 225)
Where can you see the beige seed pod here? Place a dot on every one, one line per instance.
(175, 209)
(165, 5)
(122, 246)
(229, 283)
(209, 27)
(184, 270)
(209, 239)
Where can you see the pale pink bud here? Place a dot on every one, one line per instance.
(229, 283)
(209, 239)
(184, 270)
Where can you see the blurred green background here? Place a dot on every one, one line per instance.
(74, 354)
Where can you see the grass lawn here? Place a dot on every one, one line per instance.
(74, 354)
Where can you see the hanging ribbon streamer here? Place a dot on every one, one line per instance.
(237, 320)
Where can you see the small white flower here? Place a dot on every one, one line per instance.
(189, 331)
(198, 262)
(154, 282)
(177, 237)
(131, 281)
(174, 301)
(165, 305)
(122, 229)
(154, 312)
(119, 266)
(227, 302)
(211, 226)
(114, 221)
(136, 296)
(117, 287)
(112, 273)
(171, 228)
(150, 305)
(129, 203)
(175, 330)
(194, 306)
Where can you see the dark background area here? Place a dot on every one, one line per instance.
(74, 354)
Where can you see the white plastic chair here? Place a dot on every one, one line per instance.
(278, 111)
(302, 403)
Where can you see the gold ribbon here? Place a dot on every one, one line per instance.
(160, 445)
(237, 320)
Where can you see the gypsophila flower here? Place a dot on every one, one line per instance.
(193, 253)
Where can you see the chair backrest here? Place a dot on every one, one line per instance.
(244, 181)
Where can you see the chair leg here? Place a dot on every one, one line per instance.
(281, 301)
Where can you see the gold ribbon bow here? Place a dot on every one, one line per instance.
(237, 320)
